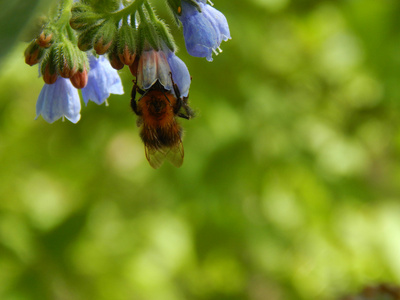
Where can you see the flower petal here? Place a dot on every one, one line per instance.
(147, 69)
(180, 74)
(103, 80)
(208, 13)
(163, 70)
(221, 21)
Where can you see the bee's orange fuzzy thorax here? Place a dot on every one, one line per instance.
(157, 108)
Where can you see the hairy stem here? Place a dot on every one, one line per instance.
(130, 9)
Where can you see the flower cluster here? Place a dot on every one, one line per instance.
(84, 43)
(61, 99)
(131, 35)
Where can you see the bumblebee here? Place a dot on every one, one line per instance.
(157, 110)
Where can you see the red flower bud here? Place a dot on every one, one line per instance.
(134, 67)
(127, 57)
(80, 79)
(104, 37)
(66, 71)
(100, 47)
(45, 40)
(33, 54)
(115, 61)
(48, 76)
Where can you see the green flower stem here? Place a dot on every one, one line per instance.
(125, 20)
(71, 34)
(130, 9)
(64, 12)
(150, 11)
(142, 17)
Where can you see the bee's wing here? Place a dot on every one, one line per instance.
(174, 154)
(155, 157)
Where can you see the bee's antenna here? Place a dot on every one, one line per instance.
(144, 93)
(165, 96)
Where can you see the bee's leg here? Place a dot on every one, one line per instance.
(175, 86)
(134, 106)
(183, 116)
(187, 108)
(140, 91)
(188, 113)
(135, 89)
(133, 92)
(133, 97)
(178, 105)
(181, 102)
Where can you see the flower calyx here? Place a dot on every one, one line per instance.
(126, 44)
(104, 37)
(65, 60)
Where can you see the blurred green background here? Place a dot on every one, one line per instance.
(290, 185)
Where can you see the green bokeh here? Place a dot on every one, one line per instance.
(289, 189)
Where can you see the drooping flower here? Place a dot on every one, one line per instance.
(57, 100)
(103, 80)
(160, 65)
(203, 31)
(153, 66)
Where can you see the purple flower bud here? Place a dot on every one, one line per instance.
(57, 100)
(103, 80)
(203, 31)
